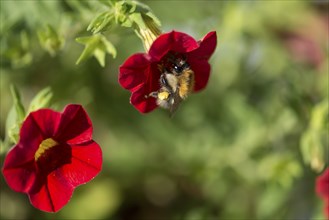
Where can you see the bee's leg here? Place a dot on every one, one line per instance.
(152, 94)
(163, 80)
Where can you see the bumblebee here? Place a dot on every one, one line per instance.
(176, 83)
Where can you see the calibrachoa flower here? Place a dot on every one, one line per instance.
(141, 72)
(55, 154)
(322, 189)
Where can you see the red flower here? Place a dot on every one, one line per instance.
(322, 189)
(140, 73)
(55, 154)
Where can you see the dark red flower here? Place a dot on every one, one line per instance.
(140, 73)
(55, 154)
(322, 189)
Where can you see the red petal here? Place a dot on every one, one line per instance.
(322, 185)
(47, 120)
(201, 70)
(322, 189)
(54, 193)
(75, 126)
(207, 46)
(19, 169)
(175, 41)
(36, 127)
(132, 72)
(326, 209)
(19, 176)
(142, 104)
(86, 163)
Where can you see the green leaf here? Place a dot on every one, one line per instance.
(312, 150)
(96, 45)
(41, 100)
(83, 40)
(15, 116)
(100, 56)
(314, 144)
(154, 18)
(101, 23)
(125, 13)
(140, 7)
(320, 115)
(96, 21)
(91, 44)
(19, 108)
(148, 16)
(19, 53)
(12, 126)
(138, 19)
(50, 40)
(109, 47)
(3, 147)
(120, 11)
(127, 23)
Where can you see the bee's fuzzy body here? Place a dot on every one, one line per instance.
(175, 85)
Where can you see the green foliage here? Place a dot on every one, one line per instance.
(50, 40)
(15, 116)
(130, 14)
(314, 141)
(41, 100)
(249, 146)
(98, 46)
(102, 22)
(19, 54)
(18, 106)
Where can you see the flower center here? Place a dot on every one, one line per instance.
(173, 62)
(44, 146)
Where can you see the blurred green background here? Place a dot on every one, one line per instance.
(249, 146)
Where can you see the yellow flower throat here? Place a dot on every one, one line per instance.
(45, 145)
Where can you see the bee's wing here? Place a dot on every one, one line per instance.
(176, 102)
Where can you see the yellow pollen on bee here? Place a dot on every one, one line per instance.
(163, 95)
(45, 145)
